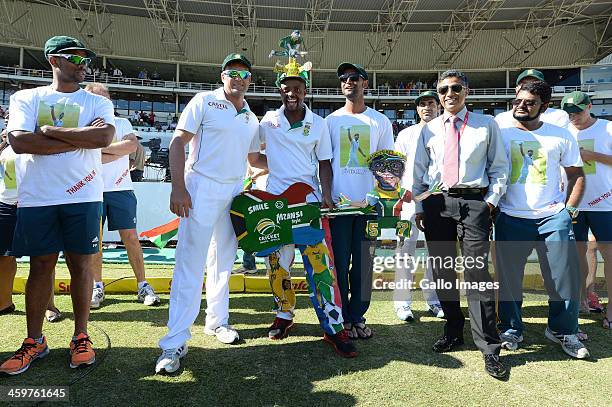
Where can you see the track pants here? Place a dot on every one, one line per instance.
(322, 287)
(208, 220)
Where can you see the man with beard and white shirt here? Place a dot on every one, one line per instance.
(221, 131)
(594, 137)
(534, 214)
(353, 267)
(553, 116)
(428, 108)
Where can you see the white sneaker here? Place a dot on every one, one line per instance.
(404, 313)
(97, 297)
(435, 310)
(510, 341)
(170, 359)
(147, 296)
(569, 343)
(224, 333)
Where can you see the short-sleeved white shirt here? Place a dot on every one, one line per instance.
(222, 136)
(537, 194)
(294, 152)
(351, 177)
(64, 178)
(406, 143)
(116, 174)
(598, 192)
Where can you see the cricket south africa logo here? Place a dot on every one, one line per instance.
(266, 227)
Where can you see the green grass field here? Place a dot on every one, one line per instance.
(395, 368)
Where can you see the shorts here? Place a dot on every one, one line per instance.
(119, 207)
(600, 224)
(8, 219)
(47, 230)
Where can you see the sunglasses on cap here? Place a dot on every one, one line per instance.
(353, 77)
(455, 88)
(74, 59)
(234, 73)
(528, 103)
(395, 167)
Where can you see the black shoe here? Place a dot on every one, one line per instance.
(494, 367)
(446, 344)
(8, 310)
(341, 343)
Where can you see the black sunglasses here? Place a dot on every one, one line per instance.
(353, 77)
(455, 88)
(528, 103)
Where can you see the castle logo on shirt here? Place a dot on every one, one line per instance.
(217, 105)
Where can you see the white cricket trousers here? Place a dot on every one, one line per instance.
(208, 220)
(403, 296)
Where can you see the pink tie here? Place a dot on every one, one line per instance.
(450, 173)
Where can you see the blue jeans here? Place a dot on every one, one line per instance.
(353, 262)
(248, 261)
(553, 239)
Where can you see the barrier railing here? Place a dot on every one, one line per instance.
(173, 86)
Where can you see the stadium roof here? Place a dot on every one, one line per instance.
(384, 34)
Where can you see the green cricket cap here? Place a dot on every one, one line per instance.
(236, 58)
(575, 102)
(427, 94)
(533, 73)
(346, 65)
(61, 43)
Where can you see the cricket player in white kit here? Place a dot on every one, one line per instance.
(221, 132)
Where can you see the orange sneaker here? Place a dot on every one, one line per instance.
(81, 352)
(22, 359)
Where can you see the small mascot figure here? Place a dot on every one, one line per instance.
(291, 45)
(387, 197)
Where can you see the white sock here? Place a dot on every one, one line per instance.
(99, 284)
(142, 284)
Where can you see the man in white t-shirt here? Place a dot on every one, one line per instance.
(298, 149)
(221, 131)
(534, 214)
(119, 205)
(428, 108)
(354, 268)
(59, 190)
(553, 116)
(594, 138)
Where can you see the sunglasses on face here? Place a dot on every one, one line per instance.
(528, 103)
(353, 77)
(455, 88)
(74, 59)
(234, 73)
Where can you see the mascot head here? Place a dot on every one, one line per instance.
(388, 168)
